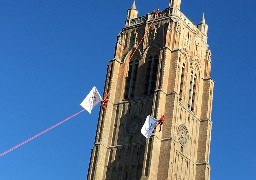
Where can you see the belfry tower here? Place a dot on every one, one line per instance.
(169, 74)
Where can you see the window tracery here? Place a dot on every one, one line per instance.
(151, 74)
(131, 78)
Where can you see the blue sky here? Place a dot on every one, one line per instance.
(52, 52)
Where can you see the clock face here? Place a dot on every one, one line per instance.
(132, 126)
(183, 134)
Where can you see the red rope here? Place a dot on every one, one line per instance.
(134, 51)
(39, 134)
(70, 117)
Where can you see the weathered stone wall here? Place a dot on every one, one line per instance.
(183, 93)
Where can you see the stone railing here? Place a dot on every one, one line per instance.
(137, 21)
(173, 13)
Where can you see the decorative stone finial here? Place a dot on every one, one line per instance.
(203, 20)
(202, 26)
(133, 5)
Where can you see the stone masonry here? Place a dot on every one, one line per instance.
(168, 75)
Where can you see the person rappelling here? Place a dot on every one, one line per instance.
(160, 122)
(104, 102)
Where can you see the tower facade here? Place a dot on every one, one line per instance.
(168, 74)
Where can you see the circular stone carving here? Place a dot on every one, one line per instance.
(132, 126)
(183, 134)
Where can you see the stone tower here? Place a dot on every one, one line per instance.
(169, 75)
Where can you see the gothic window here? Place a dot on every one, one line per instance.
(182, 81)
(131, 79)
(193, 95)
(152, 34)
(133, 38)
(192, 92)
(151, 74)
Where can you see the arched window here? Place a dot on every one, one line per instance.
(182, 81)
(133, 38)
(151, 74)
(131, 78)
(192, 92)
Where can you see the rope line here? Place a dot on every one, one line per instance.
(39, 134)
(70, 117)
(134, 51)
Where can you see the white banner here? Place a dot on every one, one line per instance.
(149, 126)
(91, 100)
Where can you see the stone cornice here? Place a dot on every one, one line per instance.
(203, 164)
(169, 13)
(117, 60)
(118, 146)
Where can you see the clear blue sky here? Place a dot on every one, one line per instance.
(52, 52)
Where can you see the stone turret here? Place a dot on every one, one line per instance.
(132, 12)
(202, 26)
(175, 4)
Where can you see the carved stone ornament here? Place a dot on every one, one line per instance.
(133, 125)
(183, 135)
(119, 40)
(169, 28)
(178, 28)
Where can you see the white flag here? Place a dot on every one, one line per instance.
(91, 100)
(148, 126)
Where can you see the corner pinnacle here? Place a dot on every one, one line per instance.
(133, 5)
